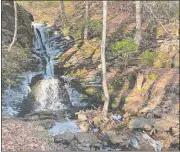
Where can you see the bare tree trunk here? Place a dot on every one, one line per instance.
(87, 19)
(15, 26)
(62, 13)
(138, 36)
(103, 60)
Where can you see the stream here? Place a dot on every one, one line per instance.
(47, 93)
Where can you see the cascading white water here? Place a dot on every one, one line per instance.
(48, 95)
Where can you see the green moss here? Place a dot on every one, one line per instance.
(65, 31)
(152, 76)
(160, 32)
(80, 73)
(91, 91)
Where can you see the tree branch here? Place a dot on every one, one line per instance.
(156, 17)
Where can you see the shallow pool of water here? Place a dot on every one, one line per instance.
(62, 127)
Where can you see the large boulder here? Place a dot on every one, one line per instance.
(77, 141)
(24, 31)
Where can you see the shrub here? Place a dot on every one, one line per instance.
(126, 48)
(95, 28)
(148, 58)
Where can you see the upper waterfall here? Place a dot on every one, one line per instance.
(45, 47)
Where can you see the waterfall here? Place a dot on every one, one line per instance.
(48, 94)
(42, 46)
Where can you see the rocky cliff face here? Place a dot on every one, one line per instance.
(24, 33)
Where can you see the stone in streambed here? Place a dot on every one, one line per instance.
(84, 126)
(42, 115)
(116, 139)
(47, 124)
(65, 138)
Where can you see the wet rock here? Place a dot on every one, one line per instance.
(42, 115)
(47, 124)
(116, 139)
(36, 79)
(65, 138)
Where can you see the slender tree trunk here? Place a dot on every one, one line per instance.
(103, 60)
(62, 13)
(15, 26)
(138, 36)
(87, 19)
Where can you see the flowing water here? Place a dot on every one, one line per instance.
(48, 93)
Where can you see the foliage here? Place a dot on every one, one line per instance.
(14, 63)
(117, 82)
(95, 28)
(148, 58)
(124, 47)
(152, 76)
(160, 32)
(41, 10)
(162, 60)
